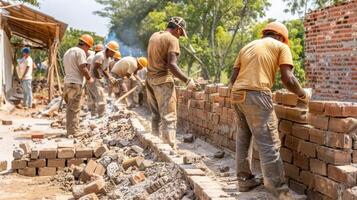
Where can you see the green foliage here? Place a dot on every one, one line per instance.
(31, 2)
(303, 6)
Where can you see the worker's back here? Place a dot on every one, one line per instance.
(125, 67)
(72, 59)
(258, 62)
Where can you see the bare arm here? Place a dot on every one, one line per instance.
(96, 69)
(290, 81)
(234, 75)
(174, 69)
(84, 70)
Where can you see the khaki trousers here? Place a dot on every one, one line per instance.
(72, 95)
(96, 100)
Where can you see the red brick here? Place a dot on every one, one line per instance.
(285, 126)
(307, 178)
(301, 131)
(278, 97)
(297, 187)
(291, 171)
(292, 142)
(280, 111)
(333, 109)
(326, 186)
(223, 91)
(318, 121)
(317, 136)
(350, 194)
(318, 167)
(350, 110)
(296, 115)
(289, 99)
(47, 171)
(37, 163)
(18, 164)
(317, 107)
(342, 125)
(301, 161)
(59, 163)
(286, 154)
(354, 156)
(333, 156)
(346, 174)
(307, 148)
(211, 88)
(137, 178)
(338, 140)
(28, 171)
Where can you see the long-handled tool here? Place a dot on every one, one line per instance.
(126, 94)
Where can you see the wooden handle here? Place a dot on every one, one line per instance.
(126, 94)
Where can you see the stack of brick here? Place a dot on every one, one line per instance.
(317, 145)
(46, 161)
(208, 114)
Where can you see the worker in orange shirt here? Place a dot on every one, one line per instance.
(252, 79)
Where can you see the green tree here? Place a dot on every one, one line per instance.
(31, 2)
(303, 6)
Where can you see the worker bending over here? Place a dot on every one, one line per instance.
(98, 69)
(252, 79)
(75, 67)
(163, 51)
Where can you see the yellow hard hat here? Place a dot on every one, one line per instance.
(87, 39)
(143, 62)
(278, 28)
(98, 47)
(117, 55)
(113, 46)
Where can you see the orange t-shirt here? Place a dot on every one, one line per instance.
(160, 44)
(258, 63)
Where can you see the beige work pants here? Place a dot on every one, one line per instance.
(96, 98)
(72, 95)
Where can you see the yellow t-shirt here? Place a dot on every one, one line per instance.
(258, 63)
(160, 44)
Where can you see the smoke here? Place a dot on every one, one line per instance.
(130, 46)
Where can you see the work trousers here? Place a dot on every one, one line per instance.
(256, 117)
(72, 95)
(27, 90)
(162, 103)
(96, 98)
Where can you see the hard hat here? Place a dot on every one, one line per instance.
(113, 46)
(278, 28)
(87, 39)
(26, 50)
(180, 22)
(117, 55)
(143, 62)
(98, 47)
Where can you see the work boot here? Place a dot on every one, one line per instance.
(247, 182)
(289, 195)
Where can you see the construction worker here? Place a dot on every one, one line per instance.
(163, 51)
(98, 48)
(26, 67)
(111, 87)
(252, 79)
(75, 66)
(98, 69)
(128, 67)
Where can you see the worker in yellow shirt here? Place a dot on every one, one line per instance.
(99, 69)
(163, 51)
(252, 79)
(127, 68)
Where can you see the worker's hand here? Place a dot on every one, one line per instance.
(306, 97)
(191, 85)
(90, 81)
(112, 80)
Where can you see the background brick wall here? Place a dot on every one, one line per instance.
(331, 52)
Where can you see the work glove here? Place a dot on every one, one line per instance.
(306, 97)
(191, 85)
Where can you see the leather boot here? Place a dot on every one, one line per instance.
(247, 182)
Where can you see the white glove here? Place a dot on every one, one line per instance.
(191, 85)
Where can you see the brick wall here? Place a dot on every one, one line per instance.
(331, 52)
(319, 143)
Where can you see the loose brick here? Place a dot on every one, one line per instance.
(47, 171)
(3, 165)
(286, 155)
(132, 162)
(289, 99)
(28, 171)
(37, 163)
(75, 161)
(317, 136)
(317, 107)
(301, 161)
(100, 150)
(137, 178)
(99, 170)
(307, 149)
(18, 164)
(65, 153)
(342, 125)
(48, 153)
(326, 186)
(338, 140)
(318, 121)
(318, 167)
(285, 126)
(59, 163)
(346, 174)
(301, 131)
(93, 187)
(333, 156)
(298, 115)
(88, 170)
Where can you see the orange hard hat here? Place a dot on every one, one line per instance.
(143, 62)
(98, 47)
(113, 46)
(278, 28)
(87, 39)
(117, 55)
